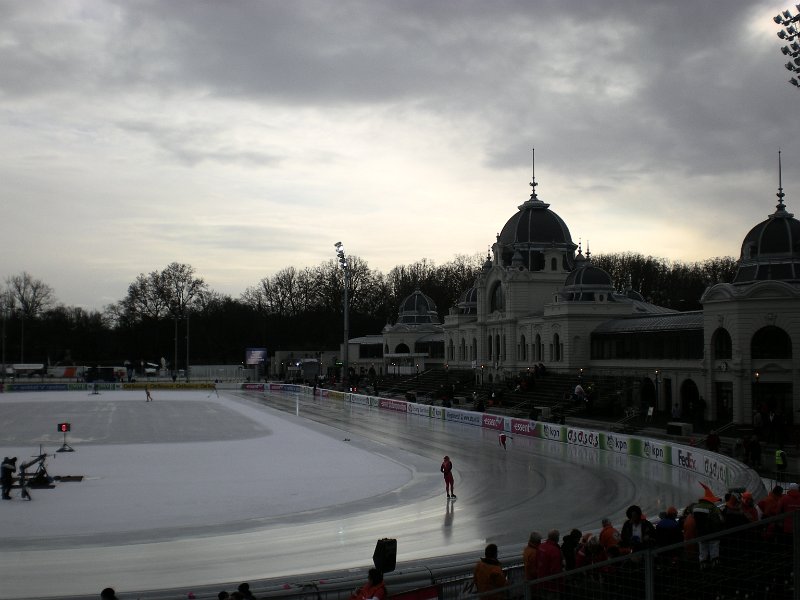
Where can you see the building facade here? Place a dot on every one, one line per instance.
(539, 300)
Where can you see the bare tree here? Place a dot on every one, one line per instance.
(29, 296)
(171, 292)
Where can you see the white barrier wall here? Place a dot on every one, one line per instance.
(718, 469)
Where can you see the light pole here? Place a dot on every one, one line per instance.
(791, 23)
(346, 271)
(657, 382)
(187, 348)
(175, 362)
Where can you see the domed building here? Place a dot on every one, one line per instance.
(539, 300)
(752, 326)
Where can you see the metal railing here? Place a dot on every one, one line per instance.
(756, 562)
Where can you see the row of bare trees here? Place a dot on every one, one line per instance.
(292, 309)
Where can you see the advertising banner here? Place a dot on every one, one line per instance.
(557, 433)
(253, 386)
(359, 399)
(463, 416)
(422, 410)
(583, 437)
(524, 427)
(390, 404)
(493, 422)
(615, 442)
(39, 387)
(651, 449)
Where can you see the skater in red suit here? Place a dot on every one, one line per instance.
(447, 470)
(502, 440)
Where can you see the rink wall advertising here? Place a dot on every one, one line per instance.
(615, 447)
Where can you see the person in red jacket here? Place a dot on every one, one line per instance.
(789, 503)
(447, 471)
(374, 589)
(549, 561)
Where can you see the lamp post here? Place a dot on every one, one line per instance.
(790, 33)
(175, 362)
(757, 392)
(657, 382)
(4, 309)
(346, 271)
(187, 348)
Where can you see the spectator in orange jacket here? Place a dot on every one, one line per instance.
(769, 504)
(488, 574)
(529, 555)
(609, 536)
(374, 589)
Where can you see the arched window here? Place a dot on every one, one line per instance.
(462, 350)
(474, 349)
(538, 348)
(451, 353)
(523, 349)
(554, 264)
(401, 349)
(498, 348)
(771, 342)
(721, 342)
(556, 348)
(496, 298)
(489, 347)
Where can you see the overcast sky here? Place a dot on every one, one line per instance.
(242, 137)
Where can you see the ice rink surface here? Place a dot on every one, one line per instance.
(196, 489)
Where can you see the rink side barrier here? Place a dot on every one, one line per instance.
(102, 386)
(594, 446)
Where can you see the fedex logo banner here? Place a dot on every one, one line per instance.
(686, 460)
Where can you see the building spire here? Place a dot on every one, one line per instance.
(780, 193)
(533, 183)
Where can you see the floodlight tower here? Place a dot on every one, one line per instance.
(790, 34)
(346, 271)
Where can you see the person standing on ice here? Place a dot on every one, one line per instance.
(502, 440)
(447, 471)
(148, 397)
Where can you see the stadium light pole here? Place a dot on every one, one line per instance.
(175, 363)
(187, 347)
(791, 35)
(346, 271)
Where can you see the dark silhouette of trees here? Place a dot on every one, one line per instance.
(671, 284)
(293, 309)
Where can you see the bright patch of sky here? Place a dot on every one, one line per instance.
(245, 137)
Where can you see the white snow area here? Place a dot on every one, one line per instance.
(187, 460)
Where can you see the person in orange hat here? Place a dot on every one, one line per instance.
(708, 520)
(749, 507)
